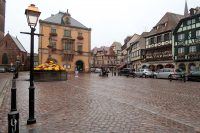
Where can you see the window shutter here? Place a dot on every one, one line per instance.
(186, 36)
(176, 51)
(176, 37)
(170, 36)
(186, 50)
(193, 34)
(162, 38)
(198, 48)
(155, 39)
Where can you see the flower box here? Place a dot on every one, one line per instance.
(47, 75)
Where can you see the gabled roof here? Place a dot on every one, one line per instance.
(57, 19)
(18, 43)
(167, 23)
(133, 39)
(189, 16)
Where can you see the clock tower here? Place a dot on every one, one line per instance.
(2, 18)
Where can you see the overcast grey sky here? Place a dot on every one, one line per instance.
(110, 20)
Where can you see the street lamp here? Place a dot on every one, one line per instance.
(32, 13)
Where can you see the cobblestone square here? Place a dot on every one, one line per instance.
(114, 104)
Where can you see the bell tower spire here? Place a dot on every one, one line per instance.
(186, 9)
(2, 18)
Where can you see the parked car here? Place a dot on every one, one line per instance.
(97, 70)
(168, 73)
(11, 69)
(127, 72)
(2, 69)
(194, 76)
(92, 69)
(144, 73)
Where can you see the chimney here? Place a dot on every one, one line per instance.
(192, 11)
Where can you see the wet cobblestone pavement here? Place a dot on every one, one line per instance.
(93, 104)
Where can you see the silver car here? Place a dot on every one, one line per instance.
(167, 73)
(2, 69)
(144, 73)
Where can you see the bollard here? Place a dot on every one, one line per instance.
(13, 116)
(13, 96)
(13, 122)
(76, 73)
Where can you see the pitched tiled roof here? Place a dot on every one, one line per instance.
(57, 19)
(167, 23)
(18, 43)
(189, 16)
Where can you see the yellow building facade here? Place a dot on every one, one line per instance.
(66, 41)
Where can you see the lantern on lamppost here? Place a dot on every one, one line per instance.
(32, 13)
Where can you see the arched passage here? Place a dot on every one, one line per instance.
(182, 66)
(80, 66)
(169, 66)
(5, 59)
(159, 66)
(191, 67)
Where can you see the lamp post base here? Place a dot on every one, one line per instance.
(31, 121)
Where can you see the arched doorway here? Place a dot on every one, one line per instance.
(169, 66)
(159, 66)
(5, 59)
(152, 67)
(80, 66)
(182, 66)
(191, 67)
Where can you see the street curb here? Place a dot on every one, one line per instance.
(4, 90)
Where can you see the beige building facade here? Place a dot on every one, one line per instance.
(66, 41)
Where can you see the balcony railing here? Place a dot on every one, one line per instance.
(159, 58)
(80, 38)
(53, 34)
(68, 51)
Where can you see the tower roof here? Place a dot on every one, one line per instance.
(58, 19)
(168, 22)
(186, 9)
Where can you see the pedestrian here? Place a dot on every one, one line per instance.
(112, 71)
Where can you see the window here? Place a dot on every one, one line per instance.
(80, 33)
(198, 34)
(80, 48)
(189, 22)
(68, 45)
(158, 39)
(192, 49)
(181, 37)
(181, 50)
(53, 30)
(67, 33)
(166, 37)
(193, 21)
(52, 43)
(152, 40)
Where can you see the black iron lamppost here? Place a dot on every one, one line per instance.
(32, 14)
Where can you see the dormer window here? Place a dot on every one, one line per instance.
(156, 27)
(66, 18)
